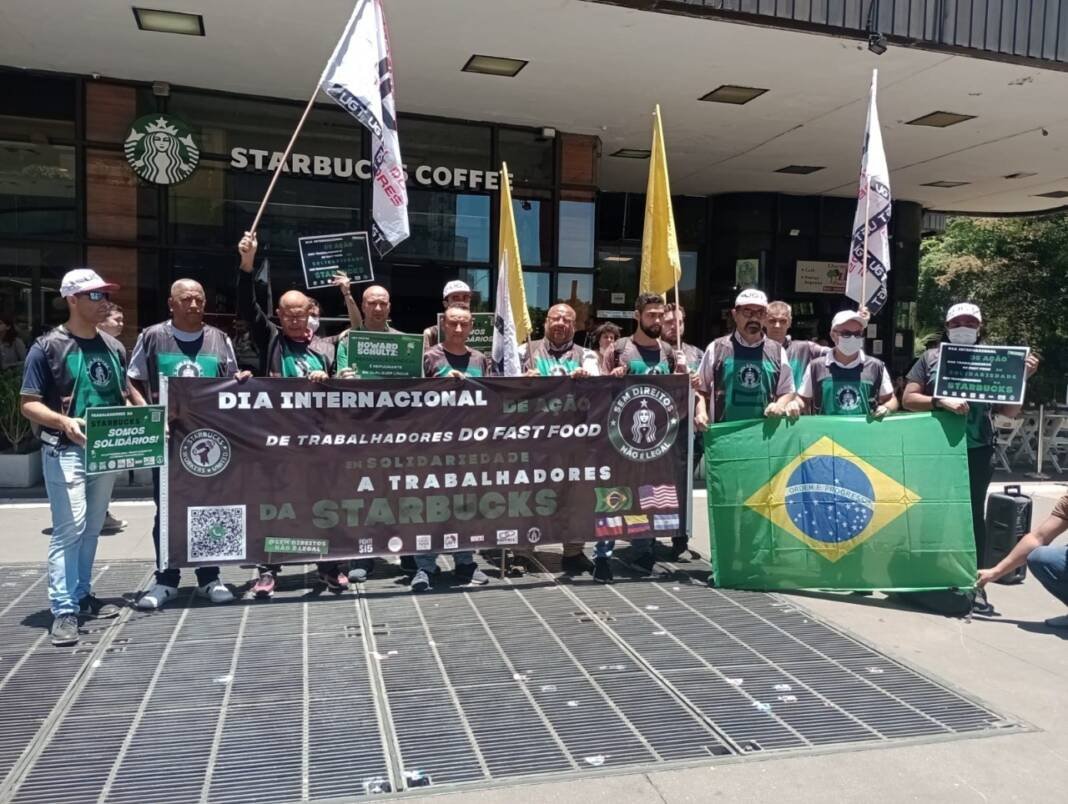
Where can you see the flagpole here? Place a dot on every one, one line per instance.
(285, 157)
(864, 259)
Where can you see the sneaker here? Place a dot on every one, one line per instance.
(470, 573)
(112, 525)
(681, 551)
(264, 586)
(602, 570)
(335, 580)
(93, 608)
(362, 569)
(643, 565)
(982, 606)
(1058, 622)
(215, 591)
(576, 564)
(520, 564)
(155, 597)
(420, 582)
(65, 630)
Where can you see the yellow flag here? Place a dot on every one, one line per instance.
(661, 267)
(508, 260)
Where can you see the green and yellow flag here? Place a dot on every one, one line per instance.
(661, 267)
(841, 502)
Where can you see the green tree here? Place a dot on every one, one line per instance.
(1016, 270)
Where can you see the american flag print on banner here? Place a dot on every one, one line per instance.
(665, 521)
(872, 218)
(608, 526)
(637, 523)
(658, 497)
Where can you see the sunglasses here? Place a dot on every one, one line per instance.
(94, 295)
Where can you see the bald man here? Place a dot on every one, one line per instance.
(287, 349)
(375, 318)
(184, 346)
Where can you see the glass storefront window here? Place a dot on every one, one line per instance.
(538, 287)
(533, 225)
(576, 233)
(576, 290)
(442, 144)
(528, 154)
(447, 226)
(29, 284)
(37, 189)
(478, 279)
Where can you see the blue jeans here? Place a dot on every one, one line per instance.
(78, 504)
(1049, 565)
(425, 562)
(638, 548)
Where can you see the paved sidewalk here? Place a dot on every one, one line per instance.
(1011, 663)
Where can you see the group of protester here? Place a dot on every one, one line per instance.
(756, 371)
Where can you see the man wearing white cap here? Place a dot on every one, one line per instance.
(847, 382)
(456, 293)
(69, 370)
(745, 375)
(963, 322)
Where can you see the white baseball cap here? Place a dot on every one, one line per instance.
(964, 308)
(844, 317)
(455, 286)
(751, 296)
(81, 280)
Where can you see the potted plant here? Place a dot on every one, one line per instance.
(20, 460)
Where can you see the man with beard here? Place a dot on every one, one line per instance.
(642, 353)
(557, 355)
(184, 346)
(745, 375)
(674, 332)
(798, 353)
(455, 294)
(289, 350)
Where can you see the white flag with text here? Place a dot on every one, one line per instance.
(505, 348)
(359, 77)
(869, 252)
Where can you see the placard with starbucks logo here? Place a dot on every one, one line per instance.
(121, 438)
(161, 150)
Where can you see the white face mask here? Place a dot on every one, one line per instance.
(313, 323)
(849, 345)
(965, 336)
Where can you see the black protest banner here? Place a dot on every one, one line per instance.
(996, 374)
(280, 470)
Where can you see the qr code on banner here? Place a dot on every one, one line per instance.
(216, 532)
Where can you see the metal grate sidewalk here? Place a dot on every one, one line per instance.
(313, 696)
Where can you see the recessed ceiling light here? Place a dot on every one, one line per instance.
(1054, 194)
(945, 184)
(731, 93)
(800, 170)
(1023, 174)
(175, 22)
(631, 153)
(941, 119)
(617, 259)
(494, 65)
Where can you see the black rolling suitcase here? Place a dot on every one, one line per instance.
(1008, 518)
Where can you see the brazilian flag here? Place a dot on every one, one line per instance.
(841, 502)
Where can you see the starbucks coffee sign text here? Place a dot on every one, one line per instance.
(345, 167)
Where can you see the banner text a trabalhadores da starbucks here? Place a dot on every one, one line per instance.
(278, 470)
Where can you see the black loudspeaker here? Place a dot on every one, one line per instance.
(1008, 518)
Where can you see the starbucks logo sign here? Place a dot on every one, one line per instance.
(643, 423)
(161, 150)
